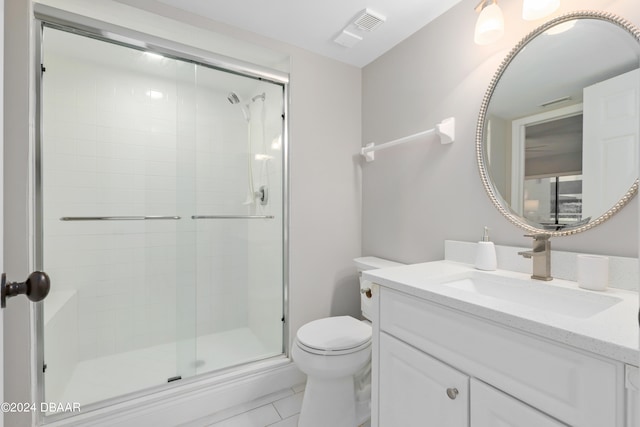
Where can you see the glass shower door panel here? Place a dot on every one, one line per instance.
(113, 211)
(185, 279)
(160, 205)
(239, 211)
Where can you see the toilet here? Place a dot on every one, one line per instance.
(335, 354)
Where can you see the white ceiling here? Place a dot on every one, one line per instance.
(313, 25)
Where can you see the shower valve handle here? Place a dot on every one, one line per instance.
(36, 287)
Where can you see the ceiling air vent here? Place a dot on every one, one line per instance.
(369, 20)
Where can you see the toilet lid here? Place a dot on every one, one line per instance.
(334, 333)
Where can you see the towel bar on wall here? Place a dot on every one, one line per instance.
(232, 217)
(445, 129)
(116, 218)
(142, 218)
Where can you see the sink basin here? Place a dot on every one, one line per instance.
(540, 296)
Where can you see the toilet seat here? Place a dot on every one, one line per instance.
(325, 352)
(333, 336)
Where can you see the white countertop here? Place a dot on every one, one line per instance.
(612, 333)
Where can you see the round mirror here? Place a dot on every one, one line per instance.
(558, 132)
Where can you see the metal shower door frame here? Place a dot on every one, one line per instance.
(47, 16)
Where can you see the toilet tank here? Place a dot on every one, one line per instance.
(370, 263)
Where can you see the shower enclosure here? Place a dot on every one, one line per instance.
(160, 217)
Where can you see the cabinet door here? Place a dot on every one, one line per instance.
(492, 408)
(633, 396)
(416, 389)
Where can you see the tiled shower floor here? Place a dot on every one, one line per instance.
(111, 376)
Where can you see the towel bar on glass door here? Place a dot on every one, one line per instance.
(446, 129)
(232, 217)
(116, 218)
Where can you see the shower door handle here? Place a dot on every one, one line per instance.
(36, 287)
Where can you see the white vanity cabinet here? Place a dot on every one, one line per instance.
(503, 376)
(414, 386)
(632, 382)
(491, 408)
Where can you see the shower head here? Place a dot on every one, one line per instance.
(233, 98)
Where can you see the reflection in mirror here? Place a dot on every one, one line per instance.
(559, 129)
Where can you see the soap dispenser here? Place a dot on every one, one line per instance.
(486, 253)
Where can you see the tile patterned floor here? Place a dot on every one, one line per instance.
(280, 409)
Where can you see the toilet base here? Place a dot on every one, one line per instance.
(328, 403)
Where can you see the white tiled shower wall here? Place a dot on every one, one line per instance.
(265, 303)
(247, 252)
(110, 149)
(107, 150)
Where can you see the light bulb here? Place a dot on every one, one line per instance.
(537, 9)
(490, 25)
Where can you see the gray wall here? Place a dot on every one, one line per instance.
(417, 195)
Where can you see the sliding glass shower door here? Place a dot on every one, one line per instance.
(160, 218)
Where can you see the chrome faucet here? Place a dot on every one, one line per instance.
(541, 256)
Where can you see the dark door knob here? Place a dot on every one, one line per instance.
(36, 287)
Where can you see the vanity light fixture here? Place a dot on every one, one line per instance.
(490, 24)
(538, 9)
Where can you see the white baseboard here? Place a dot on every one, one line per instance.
(181, 404)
